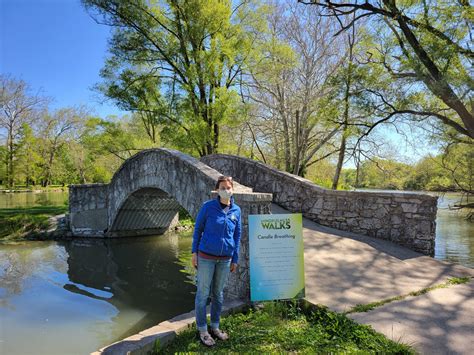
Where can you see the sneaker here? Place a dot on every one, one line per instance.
(219, 334)
(206, 339)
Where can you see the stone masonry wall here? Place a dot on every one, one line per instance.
(88, 209)
(406, 219)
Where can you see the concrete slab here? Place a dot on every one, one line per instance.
(438, 322)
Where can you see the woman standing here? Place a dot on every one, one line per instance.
(215, 251)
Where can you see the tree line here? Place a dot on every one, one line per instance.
(305, 86)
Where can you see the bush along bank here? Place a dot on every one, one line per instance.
(289, 326)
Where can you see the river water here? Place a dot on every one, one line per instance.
(74, 297)
(454, 233)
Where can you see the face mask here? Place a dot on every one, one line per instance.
(225, 194)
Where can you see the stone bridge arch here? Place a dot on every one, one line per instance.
(144, 195)
(170, 178)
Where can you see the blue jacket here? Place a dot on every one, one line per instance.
(216, 232)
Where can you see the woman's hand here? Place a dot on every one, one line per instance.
(194, 260)
(233, 267)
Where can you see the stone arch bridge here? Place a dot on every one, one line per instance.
(147, 191)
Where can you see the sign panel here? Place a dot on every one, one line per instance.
(276, 256)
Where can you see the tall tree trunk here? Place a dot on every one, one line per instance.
(347, 96)
(297, 149)
(357, 171)
(49, 168)
(340, 160)
(10, 158)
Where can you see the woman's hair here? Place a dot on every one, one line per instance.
(224, 178)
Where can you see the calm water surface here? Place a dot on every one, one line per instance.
(30, 199)
(454, 233)
(74, 297)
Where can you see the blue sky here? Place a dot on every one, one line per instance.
(54, 45)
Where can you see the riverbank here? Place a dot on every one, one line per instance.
(48, 223)
(35, 189)
(30, 223)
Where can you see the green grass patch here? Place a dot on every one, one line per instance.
(17, 223)
(370, 306)
(35, 187)
(187, 222)
(459, 280)
(296, 327)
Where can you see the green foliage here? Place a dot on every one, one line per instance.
(282, 327)
(458, 162)
(180, 67)
(428, 174)
(322, 173)
(442, 31)
(28, 158)
(176, 63)
(382, 173)
(185, 218)
(452, 170)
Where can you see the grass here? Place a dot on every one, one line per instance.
(185, 219)
(369, 306)
(290, 326)
(18, 223)
(34, 187)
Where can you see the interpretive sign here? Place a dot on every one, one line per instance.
(276, 256)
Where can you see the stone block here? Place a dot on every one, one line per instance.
(352, 222)
(409, 207)
(395, 219)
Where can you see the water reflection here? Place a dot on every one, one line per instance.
(454, 233)
(30, 199)
(74, 297)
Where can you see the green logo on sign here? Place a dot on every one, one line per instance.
(276, 223)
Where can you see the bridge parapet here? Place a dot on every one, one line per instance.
(404, 218)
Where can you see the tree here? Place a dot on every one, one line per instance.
(28, 154)
(52, 129)
(347, 78)
(382, 174)
(423, 45)
(17, 106)
(458, 161)
(179, 61)
(121, 137)
(288, 84)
